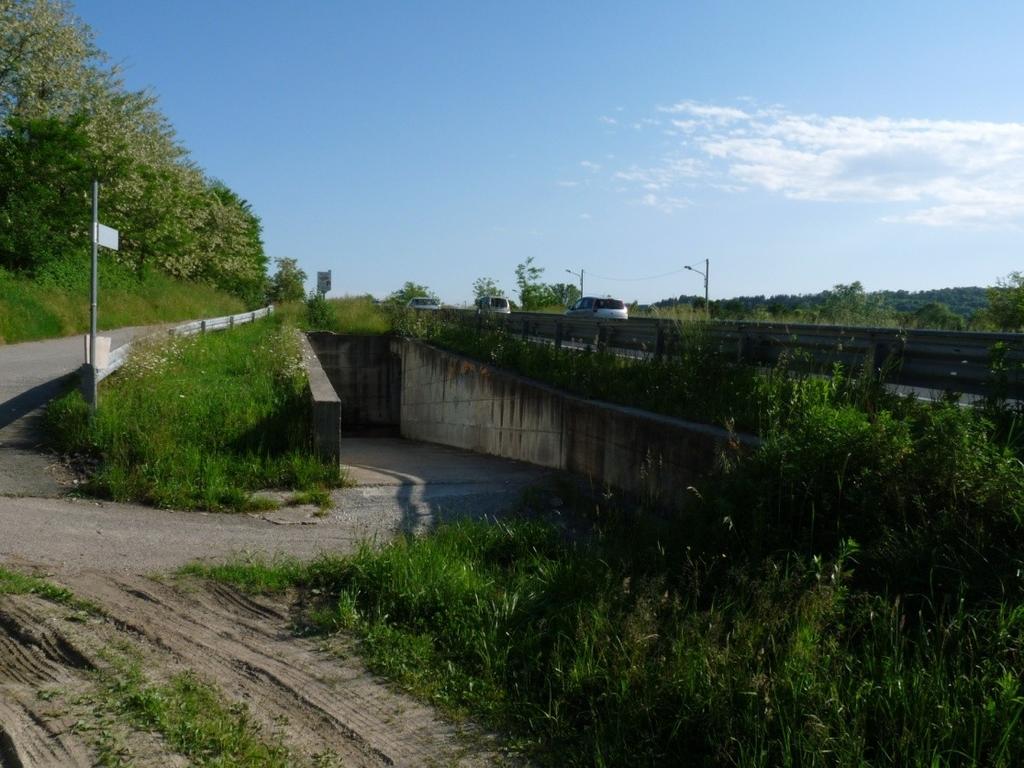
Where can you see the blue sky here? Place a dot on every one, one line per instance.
(795, 145)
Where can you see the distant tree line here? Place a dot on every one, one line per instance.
(1000, 307)
(66, 118)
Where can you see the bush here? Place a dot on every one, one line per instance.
(319, 316)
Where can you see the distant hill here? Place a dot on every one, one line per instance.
(964, 301)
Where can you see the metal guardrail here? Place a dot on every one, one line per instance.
(118, 356)
(977, 363)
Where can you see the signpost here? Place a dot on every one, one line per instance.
(108, 238)
(323, 282)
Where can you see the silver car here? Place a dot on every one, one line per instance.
(603, 308)
(424, 302)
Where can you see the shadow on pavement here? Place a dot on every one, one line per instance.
(26, 402)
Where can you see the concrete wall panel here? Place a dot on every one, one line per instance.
(452, 400)
(440, 397)
(365, 375)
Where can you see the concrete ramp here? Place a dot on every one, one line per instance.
(387, 461)
(405, 486)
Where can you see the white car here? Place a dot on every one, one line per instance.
(602, 308)
(495, 304)
(424, 302)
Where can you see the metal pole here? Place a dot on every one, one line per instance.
(93, 304)
(707, 271)
(580, 276)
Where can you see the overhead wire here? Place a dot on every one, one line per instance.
(636, 279)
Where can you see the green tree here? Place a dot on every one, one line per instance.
(44, 202)
(1006, 303)
(170, 215)
(485, 286)
(565, 294)
(533, 294)
(288, 282)
(850, 304)
(410, 291)
(935, 314)
(47, 60)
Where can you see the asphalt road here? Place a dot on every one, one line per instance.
(32, 374)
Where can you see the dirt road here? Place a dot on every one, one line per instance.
(315, 702)
(312, 701)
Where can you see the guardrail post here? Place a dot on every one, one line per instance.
(252, 319)
(202, 326)
(742, 347)
(86, 374)
(558, 334)
(659, 343)
(602, 337)
(231, 321)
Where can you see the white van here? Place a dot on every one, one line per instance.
(497, 304)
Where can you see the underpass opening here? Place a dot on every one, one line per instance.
(367, 376)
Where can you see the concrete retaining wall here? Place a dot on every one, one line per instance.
(326, 406)
(455, 401)
(366, 374)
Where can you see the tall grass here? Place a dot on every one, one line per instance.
(200, 422)
(358, 315)
(695, 382)
(48, 308)
(617, 654)
(850, 593)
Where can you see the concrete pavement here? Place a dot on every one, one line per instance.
(401, 487)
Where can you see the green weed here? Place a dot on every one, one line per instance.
(200, 422)
(193, 718)
(357, 315)
(14, 583)
(613, 653)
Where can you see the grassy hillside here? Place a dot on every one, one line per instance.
(34, 309)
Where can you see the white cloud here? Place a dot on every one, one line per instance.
(608, 120)
(706, 111)
(590, 165)
(567, 183)
(586, 216)
(664, 176)
(932, 172)
(663, 203)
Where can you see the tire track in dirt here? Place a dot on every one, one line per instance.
(33, 655)
(318, 704)
(245, 645)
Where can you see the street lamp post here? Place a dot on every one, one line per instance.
(704, 274)
(580, 276)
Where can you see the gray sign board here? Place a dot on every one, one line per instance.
(323, 281)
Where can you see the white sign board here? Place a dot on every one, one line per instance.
(102, 351)
(323, 281)
(106, 236)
